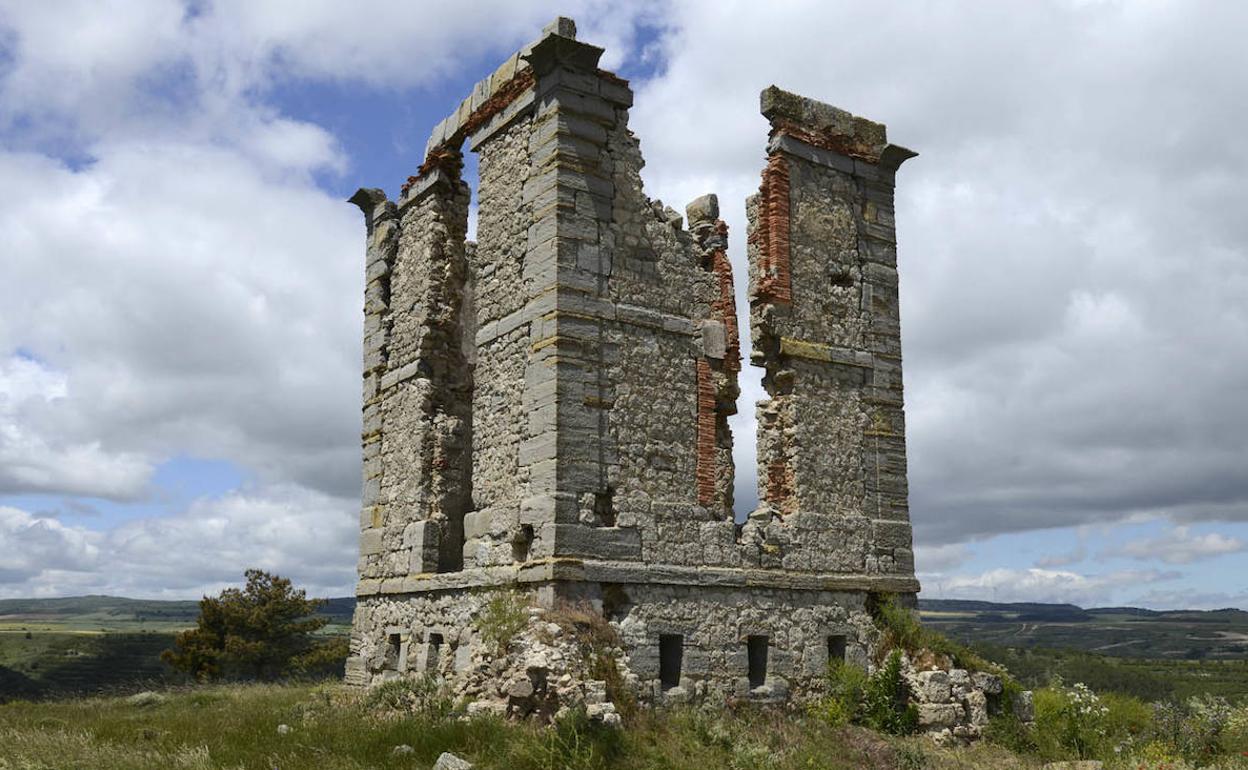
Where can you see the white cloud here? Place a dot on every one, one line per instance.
(1044, 585)
(191, 305)
(305, 535)
(1073, 272)
(1180, 546)
(32, 460)
(938, 559)
(30, 546)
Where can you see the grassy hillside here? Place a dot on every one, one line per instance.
(331, 728)
(100, 644)
(51, 663)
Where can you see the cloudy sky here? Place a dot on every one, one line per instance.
(181, 281)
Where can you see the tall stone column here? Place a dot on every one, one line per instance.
(825, 326)
(570, 453)
(418, 383)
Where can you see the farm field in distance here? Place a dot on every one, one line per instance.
(1115, 631)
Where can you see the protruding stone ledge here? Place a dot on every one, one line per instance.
(374, 204)
(828, 353)
(822, 124)
(883, 170)
(423, 185)
(545, 570)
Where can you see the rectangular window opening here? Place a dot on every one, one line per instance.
(604, 507)
(756, 647)
(836, 648)
(394, 643)
(522, 544)
(434, 656)
(671, 651)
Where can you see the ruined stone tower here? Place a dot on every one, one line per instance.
(546, 409)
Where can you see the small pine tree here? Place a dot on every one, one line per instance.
(262, 631)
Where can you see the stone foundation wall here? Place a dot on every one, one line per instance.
(438, 634)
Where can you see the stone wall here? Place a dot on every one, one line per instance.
(825, 327)
(546, 409)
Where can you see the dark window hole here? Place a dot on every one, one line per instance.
(756, 647)
(671, 651)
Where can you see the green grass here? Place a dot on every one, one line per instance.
(334, 728)
(63, 663)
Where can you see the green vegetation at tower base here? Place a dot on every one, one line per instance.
(334, 728)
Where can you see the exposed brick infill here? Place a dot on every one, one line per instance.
(772, 234)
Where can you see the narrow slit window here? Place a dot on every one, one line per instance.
(394, 643)
(836, 648)
(756, 647)
(671, 651)
(523, 544)
(435, 654)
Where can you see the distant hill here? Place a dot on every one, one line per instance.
(1128, 632)
(116, 613)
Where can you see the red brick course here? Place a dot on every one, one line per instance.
(772, 232)
(725, 305)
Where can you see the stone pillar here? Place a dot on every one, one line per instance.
(418, 383)
(570, 455)
(825, 326)
(381, 222)
(720, 364)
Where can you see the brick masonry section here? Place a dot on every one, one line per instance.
(775, 281)
(725, 305)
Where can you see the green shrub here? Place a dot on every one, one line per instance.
(419, 695)
(846, 686)
(1070, 722)
(880, 701)
(1196, 729)
(504, 616)
(1004, 729)
(911, 758)
(264, 630)
(886, 700)
(1235, 736)
(902, 630)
